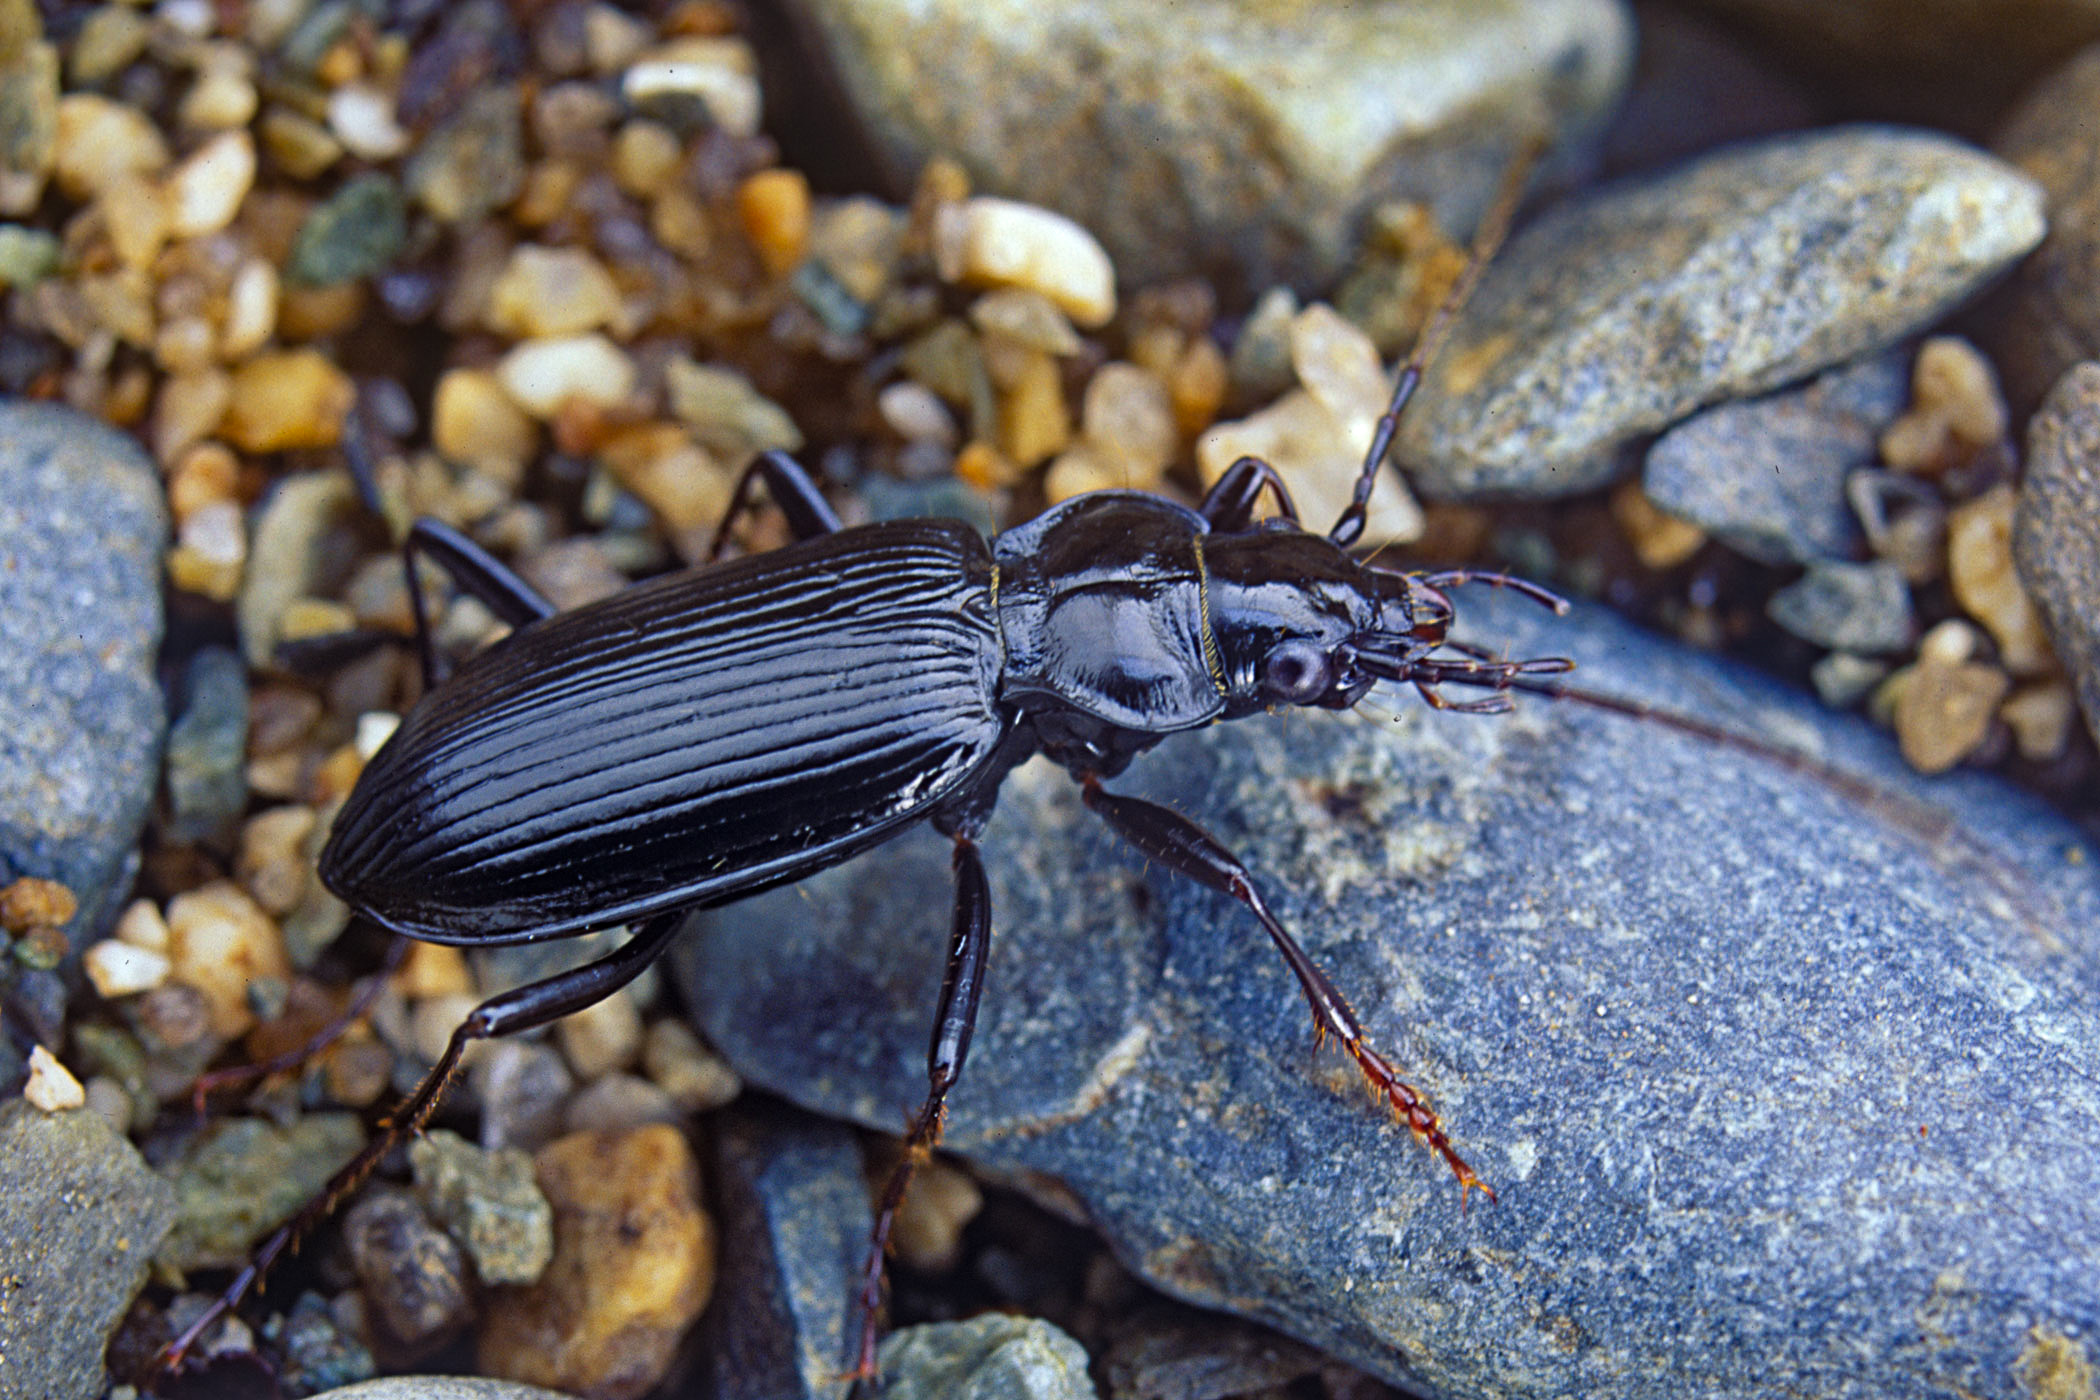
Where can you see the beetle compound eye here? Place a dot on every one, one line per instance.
(1295, 673)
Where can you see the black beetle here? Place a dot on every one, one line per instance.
(720, 731)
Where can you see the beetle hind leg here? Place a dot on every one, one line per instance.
(1182, 846)
(961, 987)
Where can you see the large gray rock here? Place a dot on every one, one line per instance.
(2051, 319)
(83, 522)
(1617, 314)
(1783, 1091)
(80, 1216)
(1243, 138)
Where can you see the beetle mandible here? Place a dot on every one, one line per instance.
(723, 730)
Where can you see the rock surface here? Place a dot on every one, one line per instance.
(1767, 476)
(1770, 1082)
(80, 1215)
(82, 526)
(2056, 528)
(439, 1388)
(1236, 138)
(1618, 314)
(2052, 319)
(795, 1221)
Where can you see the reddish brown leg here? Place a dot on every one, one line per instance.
(961, 987)
(1179, 844)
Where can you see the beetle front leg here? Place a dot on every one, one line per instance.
(1179, 844)
(1228, 507)
(520, 1009)
(961, 987)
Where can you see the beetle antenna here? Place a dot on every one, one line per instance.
(1494, 226)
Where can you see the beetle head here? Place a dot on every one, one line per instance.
(1298, 621)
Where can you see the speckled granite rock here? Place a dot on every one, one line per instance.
(80, 1216)
(795, 1223)
(992, 1357)
(1618, 314)
(82, 526)
(1767, 476)
(1781, 1094)
(1240, 137)
(2056, 527)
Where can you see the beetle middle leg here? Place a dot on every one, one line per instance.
(792, 489)
(961, 986)
(520, 1009)
(1228, 507)
(1180, 845)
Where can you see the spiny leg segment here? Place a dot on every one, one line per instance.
(1182, 846)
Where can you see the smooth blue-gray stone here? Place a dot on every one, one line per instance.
(208, 748)
(80, 1216)
(1783, 1091)
(1616, 314)
(1848, 607)
(83, 522)
(793, 1206)
(1767, 476)
(988, 1357)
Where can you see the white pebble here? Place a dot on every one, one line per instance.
(205, 191)
(542, 375)
(193, 19)
(916, 414)
(51, 1085)
(251, 310)
(362, 118)
(989, 242)
(141, 926)
(120, 970)
(374, 728)
(721, 73)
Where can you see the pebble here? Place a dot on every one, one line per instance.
(287, 400)
(1557, 364)
(273, 863)
(489, 1202)
(548, 292)
(1127, 418)
(1035, 422)
(439, 1388)
(221, 943)
(240, 1178)
(774, 208)
(475, 423)
(522, 1087)
(362, 118)
(1980, 568)
(915, 413)
(928, 1232)
(413, 1275)
(1957, 410)
(720, 74)
(1660, 540)
(51, 1087)
(1848, 607)
(987, 242)
(82, 525)
(993, 1357)
(205, 191)
(1317, 436)
(2040, 717)
(1199, 137)
(101, 142)
(1026, 317)
(544, 374)
(472, 164)
(1767, 476)
(111, 38)
(314, 1350)
(29, 903)
(616, 1102)
(293, 521)
(353, 234)
(795, 1227)
(2056, 528)
(205, 764)
(697, 1079)
(211, 551)
(188, 409)
(1944, 710)
(633, 1266)
(222, 99)
(82, 1215)
(1664, 992)
(118, 969)
(136, 214)
(298, 145)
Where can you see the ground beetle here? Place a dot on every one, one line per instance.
(723, 730)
